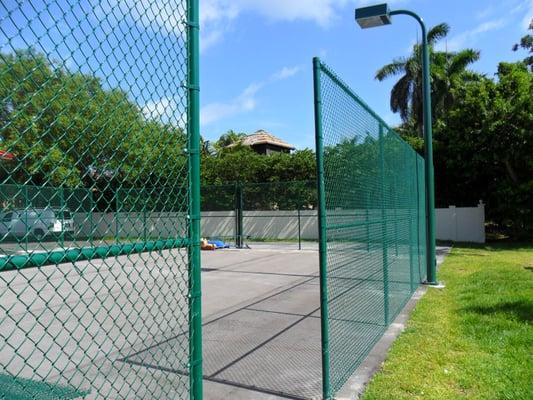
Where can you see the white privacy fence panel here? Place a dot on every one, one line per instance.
(458, 224)
(461, 224)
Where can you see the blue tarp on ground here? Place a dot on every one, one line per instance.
(219, 244)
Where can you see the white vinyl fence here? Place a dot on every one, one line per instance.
(461, 224)
(458, 224)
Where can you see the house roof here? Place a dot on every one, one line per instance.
(264, 137)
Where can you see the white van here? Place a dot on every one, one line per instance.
(38, 222)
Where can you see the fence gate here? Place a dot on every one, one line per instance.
(371, 225)
(99, 136)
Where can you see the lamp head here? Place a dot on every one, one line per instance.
(372, 16)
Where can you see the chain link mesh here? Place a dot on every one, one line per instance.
(94, 194)
(271, 212)
(374, 224)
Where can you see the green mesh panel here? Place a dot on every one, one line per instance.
(94, 198)
(268, 212)
(374, 233)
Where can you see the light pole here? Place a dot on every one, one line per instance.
(379, 15)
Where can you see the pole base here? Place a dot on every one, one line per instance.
(434, 285)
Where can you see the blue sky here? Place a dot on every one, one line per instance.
(256, 55)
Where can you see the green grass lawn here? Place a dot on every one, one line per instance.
(471, 340)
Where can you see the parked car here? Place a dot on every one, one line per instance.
(37, 222)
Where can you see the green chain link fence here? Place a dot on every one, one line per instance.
(99, 197)
(372, 225)
(246, 213)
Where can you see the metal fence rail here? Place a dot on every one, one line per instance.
(371, 222)
(97, 98)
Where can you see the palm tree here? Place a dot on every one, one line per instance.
(447, 69)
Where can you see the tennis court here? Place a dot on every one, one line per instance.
(121, 321)
(115, 323)
(68, 326)
(261, 331)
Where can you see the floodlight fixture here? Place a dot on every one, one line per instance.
(373, 16)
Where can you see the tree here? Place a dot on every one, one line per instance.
(446, 69)
(484, 148)
(227, 139)
(275, 181)
(526, 43)
(67, 130)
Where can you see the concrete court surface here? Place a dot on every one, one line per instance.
(260, 311)
(262, 324)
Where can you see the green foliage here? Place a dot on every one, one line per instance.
(267, 182)
(66, 129)
(230, 138)
(483, 130)
(526, 43)
(241, 164)
(447, 69)
(484, 147)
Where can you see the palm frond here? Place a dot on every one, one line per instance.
(401, 97)
(394, 68)
(459, 61)
(438, 32)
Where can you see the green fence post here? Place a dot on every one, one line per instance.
(417, 215)
(235, 216)
(91, 212)
(193, 139)
(367, 202)
(395, 195)
(26, 210)
(62, 215)
(324, 315)
(384, 227)
(239, 216)
(299, 230)
(117, 206)
(411, 257)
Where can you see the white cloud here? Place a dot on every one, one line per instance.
(210, 38)
(161, 17)
(466, 38)
(485, 12)
(218, 16)
(246, 101)
(528, 18)
(166, 110)
(286, 72)
(524, 7)
(319, 11)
